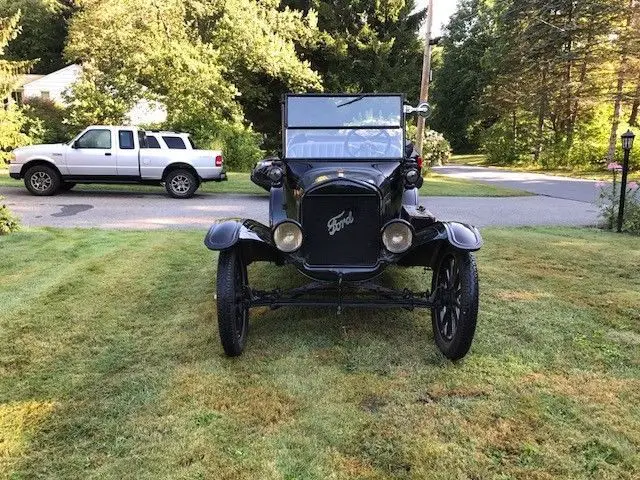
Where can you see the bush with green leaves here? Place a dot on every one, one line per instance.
(609, 201)
(436, 150)
(8, 222)
(49, 119)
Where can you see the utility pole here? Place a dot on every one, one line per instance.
(426, 74)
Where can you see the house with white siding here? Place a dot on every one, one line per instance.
(53, 86)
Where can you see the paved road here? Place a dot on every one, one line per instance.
(155, 210)
(548, 185)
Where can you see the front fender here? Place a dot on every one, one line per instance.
(253, 238)
(438, 236)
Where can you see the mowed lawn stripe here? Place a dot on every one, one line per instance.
(110, 367)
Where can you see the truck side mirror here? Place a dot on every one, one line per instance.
(74, 144)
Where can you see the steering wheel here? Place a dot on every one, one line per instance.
(352, 150)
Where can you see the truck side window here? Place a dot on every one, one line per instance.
(125, 139)
(152, 142)
(97, 138)
(142, 139)
(174, 142)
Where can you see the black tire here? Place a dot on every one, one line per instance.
(454, 322)
(66, 186)
(42, 180)
(181, 183)
(233, 313)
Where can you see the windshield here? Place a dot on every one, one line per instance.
(344, 127)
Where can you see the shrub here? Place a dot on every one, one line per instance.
(609, 199)
(436, 149)
(239, 144)
(8, 223)
(49, 117)
(13, 124)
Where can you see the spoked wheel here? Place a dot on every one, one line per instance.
(181, 183)
(42, 180)
(454, 320)
(233, 312)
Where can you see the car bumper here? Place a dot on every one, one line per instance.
(211, 174)
(14, 170)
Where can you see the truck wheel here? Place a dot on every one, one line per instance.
(454, 320)
(181, 183)
(233, 312)
(42, 180)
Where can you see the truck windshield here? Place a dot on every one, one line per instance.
(343, 127)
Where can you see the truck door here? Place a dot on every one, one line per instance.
(92, 154)
(127, 153)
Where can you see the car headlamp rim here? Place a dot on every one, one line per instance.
(284, 224)
(412, 175)
(409, 230)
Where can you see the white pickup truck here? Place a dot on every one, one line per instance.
(108, 154)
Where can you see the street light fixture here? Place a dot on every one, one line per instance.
(627, 145)
(627, 140)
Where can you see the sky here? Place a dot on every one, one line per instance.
(442, 9)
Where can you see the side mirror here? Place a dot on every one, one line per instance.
(423, 109)
(74, 144)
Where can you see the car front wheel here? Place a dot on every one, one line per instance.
(42, 180)
(181, 183)
(233, 312)
(454, 318)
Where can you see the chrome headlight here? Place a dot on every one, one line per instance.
(397, 236)
(287, 236)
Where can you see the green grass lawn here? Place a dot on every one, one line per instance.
(111, 368)
(480, 160)
(435, 185)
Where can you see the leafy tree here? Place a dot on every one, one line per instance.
(44, 29)
(462, 75)
(12, 121)
(530, 80)
(196, 56)
(367, 46)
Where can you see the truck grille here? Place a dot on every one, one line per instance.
(341, 230)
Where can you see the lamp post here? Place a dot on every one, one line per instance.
(627, 145)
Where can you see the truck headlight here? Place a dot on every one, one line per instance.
(397, 236)
(12, 157)
(288, 236)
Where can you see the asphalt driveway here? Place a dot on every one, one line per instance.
(548, 185)
(122, 209)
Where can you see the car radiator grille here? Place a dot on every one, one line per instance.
(341, 230)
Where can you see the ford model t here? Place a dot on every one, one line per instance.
(343, 206)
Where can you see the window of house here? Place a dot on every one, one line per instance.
(174, 142)
(98, 138)
(125, 139)
(45, 94)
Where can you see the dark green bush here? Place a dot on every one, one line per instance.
(49, 118)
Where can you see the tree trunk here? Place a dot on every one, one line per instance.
(617, 106)
(575, 108)
(633, 118)
(542, 111)
(617, 111)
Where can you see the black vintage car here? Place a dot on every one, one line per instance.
(343, 206)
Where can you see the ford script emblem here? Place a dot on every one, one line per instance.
(340, 221)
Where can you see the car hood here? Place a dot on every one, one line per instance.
(308, 175)
(44, 148)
